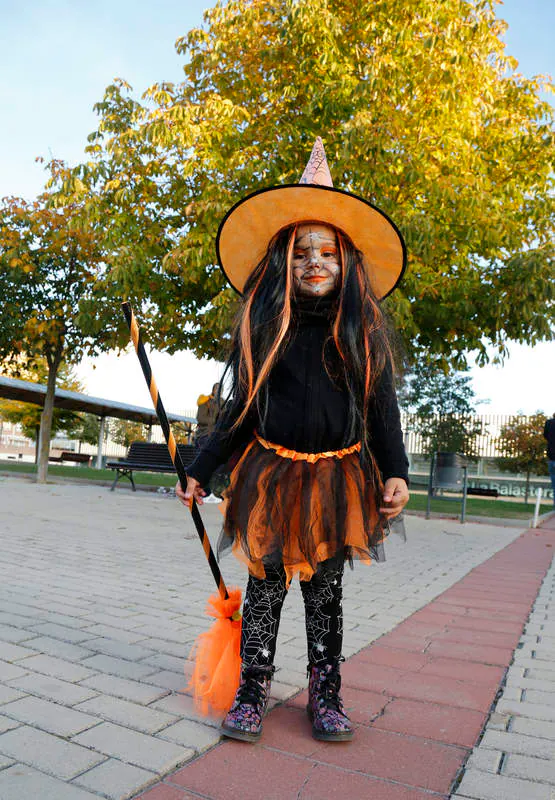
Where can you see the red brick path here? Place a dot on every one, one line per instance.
(419, 696)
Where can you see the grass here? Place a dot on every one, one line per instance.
(91, 474)
(478, 506)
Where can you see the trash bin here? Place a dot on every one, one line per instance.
(448, 472)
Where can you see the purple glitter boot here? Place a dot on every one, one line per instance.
(325, 706)
(244, 718)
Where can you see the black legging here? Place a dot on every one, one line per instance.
(323, 612)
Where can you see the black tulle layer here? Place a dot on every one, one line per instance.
(281, 510)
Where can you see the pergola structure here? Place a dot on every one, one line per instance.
(27, 392)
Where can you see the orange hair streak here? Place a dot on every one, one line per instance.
(246, 368)
(245, 334)
(337, 321)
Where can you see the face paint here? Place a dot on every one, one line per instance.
(315, 260)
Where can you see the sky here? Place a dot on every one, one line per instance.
(57, 57)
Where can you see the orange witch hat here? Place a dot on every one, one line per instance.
(250, 225)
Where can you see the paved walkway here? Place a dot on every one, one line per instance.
(102, 594)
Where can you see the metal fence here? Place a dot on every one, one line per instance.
(489, 426)
(486, 442)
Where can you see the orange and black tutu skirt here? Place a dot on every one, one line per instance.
(300, 509)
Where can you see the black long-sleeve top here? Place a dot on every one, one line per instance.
(549, 434)
(308, 412)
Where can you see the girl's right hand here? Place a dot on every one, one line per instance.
(193, 489)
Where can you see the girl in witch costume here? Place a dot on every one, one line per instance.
(313, 412)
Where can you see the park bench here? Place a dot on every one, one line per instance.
(68, 455)
(149, 457)
(480, 492)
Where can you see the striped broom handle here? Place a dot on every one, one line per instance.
(172, 447)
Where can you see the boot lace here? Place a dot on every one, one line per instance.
(253, 689)
(329, 686)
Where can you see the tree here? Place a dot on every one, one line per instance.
(55, 289)
(88, 429)
(28, 415)
(124, 432)
(442, 405)
(422, 112)
(522, 444)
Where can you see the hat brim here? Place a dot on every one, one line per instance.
(249, 226)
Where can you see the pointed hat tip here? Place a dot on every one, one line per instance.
(317, 170)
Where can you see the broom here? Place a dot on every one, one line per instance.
(216, 656)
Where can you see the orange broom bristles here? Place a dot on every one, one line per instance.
(216, 656)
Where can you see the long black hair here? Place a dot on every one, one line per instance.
(264, 326)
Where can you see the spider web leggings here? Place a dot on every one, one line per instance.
(322, 597)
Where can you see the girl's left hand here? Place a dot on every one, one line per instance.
(396, 495)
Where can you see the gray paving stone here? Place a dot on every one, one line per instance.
(530, 768)
(540, 675)
(511, 742)
(7, 724)
(10, 634)
(119, 667)
(168, 680)
(163, 661)
(53, 689)
(134, 691)
(111, 647)
(14, 652)
(182, 705)
(532, 683)
(51, 717)
(58, 649)
(5, 762)
(16, 620)
(183, 637)
(131, 715)
(116, 780)
(498, 721)
(191, 734)
(21, 782)
(483, 786)
(163, 646)
(526, 709)
(7, 694)
(48, 753)
(114, 621)
(524, 661)
(283, 691)
(135, 748)
(484, 760)
(533, 727)
(117, 634)
(61, 632)
(540, 696)
(57, 668)
(512, 693)
(10, 671)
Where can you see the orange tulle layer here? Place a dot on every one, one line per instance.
(216, 656)
(300, 509)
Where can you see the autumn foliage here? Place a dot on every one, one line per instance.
(422, 112)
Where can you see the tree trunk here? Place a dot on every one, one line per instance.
(46, 417)
(527, 489)
(37, 443)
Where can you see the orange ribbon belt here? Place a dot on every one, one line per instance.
(284, 452)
